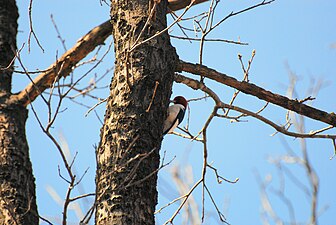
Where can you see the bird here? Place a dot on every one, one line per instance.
(175, 114)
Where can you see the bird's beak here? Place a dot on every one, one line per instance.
(171, 101)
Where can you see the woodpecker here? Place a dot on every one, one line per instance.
(175, 114)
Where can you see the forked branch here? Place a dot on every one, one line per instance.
(64, 66)
(252, 89)
(72, 57)
(194, 84)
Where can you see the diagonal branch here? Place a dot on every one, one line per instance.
(64, 66)
(69, 59)
(252, 89)
(175, 5)
(194, 84)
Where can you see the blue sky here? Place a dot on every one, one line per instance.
(298, 33)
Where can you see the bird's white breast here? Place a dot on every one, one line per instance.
(173, 111)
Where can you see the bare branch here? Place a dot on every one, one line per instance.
(59, 36)
(184, 197)
(69, 59)
(153, 96)
(93, 107)
(45, 220)
(175, 5)
(31, 29)
(264, 2)
(252, 89)
(198, 85)
(82, 196)
(334, 144)
(137, 43)
(220, 178)
(209, 40)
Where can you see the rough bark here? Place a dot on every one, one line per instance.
(8, 30)
(17, 187)
(128, 153)
(17, 184)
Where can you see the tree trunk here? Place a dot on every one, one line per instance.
(17, 187)
(128, 153)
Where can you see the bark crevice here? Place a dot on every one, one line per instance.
(17, 183)
(131, 136)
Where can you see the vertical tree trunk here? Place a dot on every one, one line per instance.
(17, 187)
(128, 153)
(8, 29)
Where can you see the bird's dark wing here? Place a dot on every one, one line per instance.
(176, 122)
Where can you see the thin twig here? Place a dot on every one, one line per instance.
(31, 30)
(82, 196)
(153, 96)
(209, 40)
(135, 45)
(94, 106)
(58, 32)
